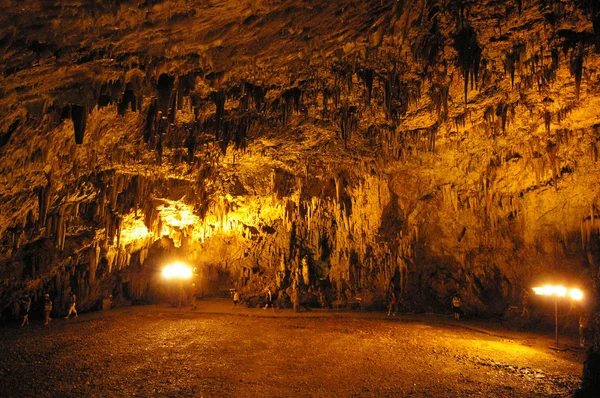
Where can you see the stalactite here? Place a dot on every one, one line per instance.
(185, 85)
(105, 97)
(172, 112)
(512, 59)
(547, 121)
(389, 93)
(290, 101)
(244, 125)
(164, 87)
(429, 46)
(93, 260)
(596, 26)
(219, 98)
(5, 137)
(118, 230)
(439, 96)
(325, 104)
(259, 98)
(150, 125)
(79, 116)
(577, 69)
(44, 199)
(469, 56)
(489, 115)
(502, 112)
(348, 121)
(368, 75)
(128, 100)
(60, 229)
(161, 133)
(549, 71)
(460, 121)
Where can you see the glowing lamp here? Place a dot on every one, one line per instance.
(177, 271)
(557, 292)
(576, 294)
(560, 291)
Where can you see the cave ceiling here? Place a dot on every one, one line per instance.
(381, 138)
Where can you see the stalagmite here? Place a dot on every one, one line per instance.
(305, 271)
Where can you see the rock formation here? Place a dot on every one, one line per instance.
(433, 147)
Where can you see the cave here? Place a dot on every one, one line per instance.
(332, 154)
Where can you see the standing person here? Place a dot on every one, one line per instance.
(456, 307)
(25, 307)
(269, 297)
(583, 326)
(193, 295)
(47, 309)
(236, 298)
(72, 302)
(525, 303)
(392, 308)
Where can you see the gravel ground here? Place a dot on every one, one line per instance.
(218, 351)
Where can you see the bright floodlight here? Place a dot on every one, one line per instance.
(544, 290)
(559, 291)
(548, 290)
(576, 294)
(177, 271)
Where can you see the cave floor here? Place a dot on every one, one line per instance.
(218, 351)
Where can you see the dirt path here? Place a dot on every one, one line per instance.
(220, 352)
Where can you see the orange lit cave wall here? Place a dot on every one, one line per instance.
(437, 147)
(79, 235)
(426, 238)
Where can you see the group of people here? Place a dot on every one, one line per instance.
(394, 304)
(235, 296)
(25, 307)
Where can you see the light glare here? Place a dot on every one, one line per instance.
(576, 294)
(177, 271)
(560, 291)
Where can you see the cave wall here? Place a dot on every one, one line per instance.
(438, 147)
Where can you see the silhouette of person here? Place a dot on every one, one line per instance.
(25, 307)
(72, 303)
(456, 307)
(47, 309)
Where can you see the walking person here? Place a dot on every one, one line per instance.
(269, 297)
(72, 302)
(47, 309)
(25, 307)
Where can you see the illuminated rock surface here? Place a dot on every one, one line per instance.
(440, 147)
